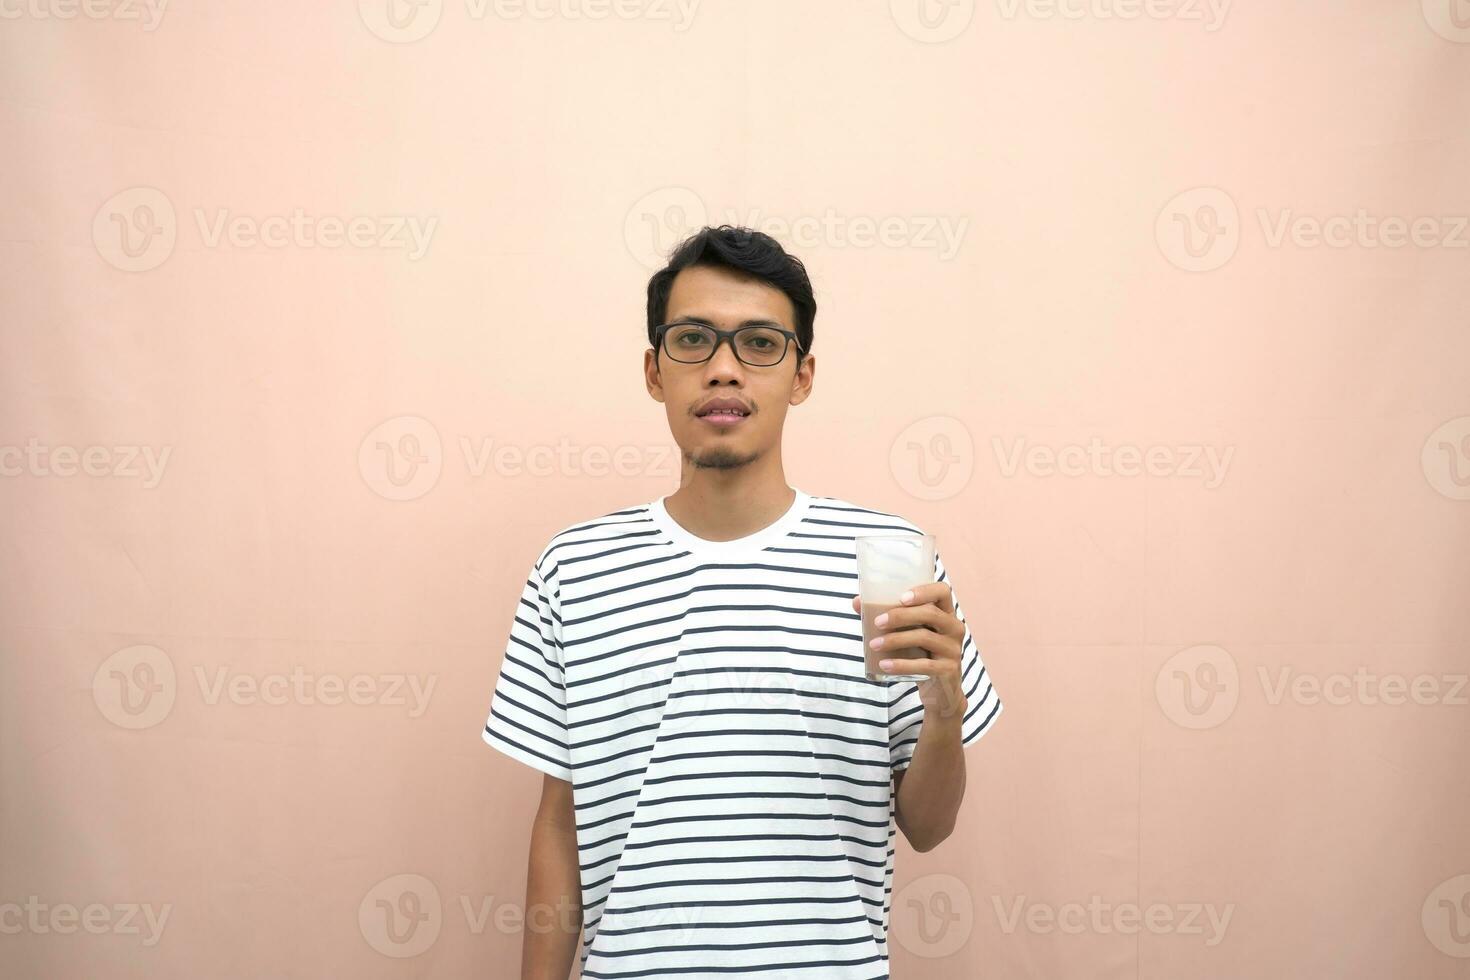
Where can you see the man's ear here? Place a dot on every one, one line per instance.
(651, 377)
(803, 379)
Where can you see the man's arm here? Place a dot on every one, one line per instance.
(929, 791)
(553, 928)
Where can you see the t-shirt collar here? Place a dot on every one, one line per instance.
(755, 541)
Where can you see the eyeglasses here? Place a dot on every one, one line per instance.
(694, 343)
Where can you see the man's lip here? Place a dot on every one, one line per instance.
(722, 419)
(742, 409)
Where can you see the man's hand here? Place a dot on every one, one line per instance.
(927, 620)
(929, 792)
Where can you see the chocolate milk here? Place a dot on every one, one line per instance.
(888, 565)
(871, 611)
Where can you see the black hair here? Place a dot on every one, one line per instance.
(747, 252)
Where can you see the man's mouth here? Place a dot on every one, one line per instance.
(724, 411)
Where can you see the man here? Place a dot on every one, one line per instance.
(721, 782)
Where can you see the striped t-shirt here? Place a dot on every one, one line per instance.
(732, 769)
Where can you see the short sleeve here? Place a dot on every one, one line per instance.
(528, 710)
(906, 711)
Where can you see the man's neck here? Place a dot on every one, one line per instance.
(723, 510)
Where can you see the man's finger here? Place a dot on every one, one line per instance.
(928, 615)
(931, 640)
(938, 593)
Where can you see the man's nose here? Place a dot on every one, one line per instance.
(723, 360)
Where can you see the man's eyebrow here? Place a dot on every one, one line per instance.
(711, 323)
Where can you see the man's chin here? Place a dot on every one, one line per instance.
(720, 458)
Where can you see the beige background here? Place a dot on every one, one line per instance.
(1156, 316)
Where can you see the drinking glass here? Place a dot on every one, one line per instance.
(888, 566)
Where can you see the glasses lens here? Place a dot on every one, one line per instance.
(689, 342)
(761, 345)
(693, 343)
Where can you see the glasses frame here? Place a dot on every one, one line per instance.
(724, 335)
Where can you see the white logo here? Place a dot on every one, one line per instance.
(135, 229)
(933, 916)
(659, 221)
(135, 687)
(1198, 687)
(402, 458)
(401, 916)
(933, 458)
(1446, 917)
(1450, 19)
(1199, 229)
(400, 21)
(932, 21)
(1446, 458)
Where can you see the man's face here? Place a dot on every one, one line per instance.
(728, 301)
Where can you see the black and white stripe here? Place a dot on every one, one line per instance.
(731, 767)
